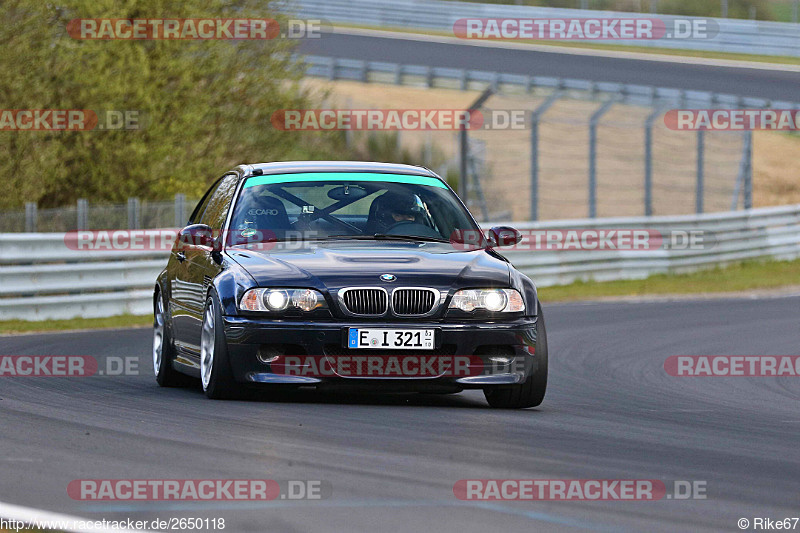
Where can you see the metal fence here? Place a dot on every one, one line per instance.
(735, 36)
(588, 148)
(42, 279)
(135, 214)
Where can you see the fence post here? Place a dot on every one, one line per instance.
(180, 210)
(463, 154)
(83, 218)
(463, 147)
(536, 115)
(427, 150)
(700, 167)
(648, 161)
(30, 217)
(134, 212)
(596, 116)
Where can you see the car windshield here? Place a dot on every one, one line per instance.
(347, 205)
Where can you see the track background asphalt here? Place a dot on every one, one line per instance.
(760, 83)
(611, 412)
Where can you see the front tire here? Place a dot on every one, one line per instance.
(529, 393)
(164, 348)
(215, 367)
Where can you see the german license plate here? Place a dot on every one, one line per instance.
(392, 339)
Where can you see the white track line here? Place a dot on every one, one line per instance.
(29, 515)
(555, 49)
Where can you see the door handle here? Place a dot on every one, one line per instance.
(181, 256)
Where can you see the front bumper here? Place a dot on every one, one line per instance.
(252, 342)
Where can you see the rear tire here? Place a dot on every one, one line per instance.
(215, 368)
(529, 393)
(163, 347)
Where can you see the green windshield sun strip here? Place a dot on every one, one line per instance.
(343, 176)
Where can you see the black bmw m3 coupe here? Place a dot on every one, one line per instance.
(359, 276)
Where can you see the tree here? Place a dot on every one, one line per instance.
(204, 104)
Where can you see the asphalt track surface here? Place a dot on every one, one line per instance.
(611, 412)
(770, 84)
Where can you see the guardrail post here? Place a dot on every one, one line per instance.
(363, 72)
(83, 214)
(180, 210)
(748, 173)
(648, 161)
(536, 115)
(700, 167)
(464, 80)
(134, 212)
(429, 77)
(398, 74)
(332, 69)
(30, 217)
(596, 116)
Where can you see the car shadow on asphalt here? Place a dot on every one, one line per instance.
(465, 400)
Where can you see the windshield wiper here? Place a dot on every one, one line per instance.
(386, 237)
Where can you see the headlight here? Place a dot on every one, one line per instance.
(494, 300)
(277, 300)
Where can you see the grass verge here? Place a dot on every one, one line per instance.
(744, 276)
(123, 321)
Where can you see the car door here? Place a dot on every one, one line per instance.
(177, 271)
(199, 267)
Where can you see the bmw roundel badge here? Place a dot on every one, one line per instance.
(388, 277)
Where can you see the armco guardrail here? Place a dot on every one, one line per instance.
(334, 68)
(735, 35)
(42, 279)
(772, 232)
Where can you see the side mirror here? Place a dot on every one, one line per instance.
(500, 236)
(197, 235)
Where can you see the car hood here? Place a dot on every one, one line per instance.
(336, 264)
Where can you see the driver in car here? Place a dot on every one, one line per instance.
(394, 208)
